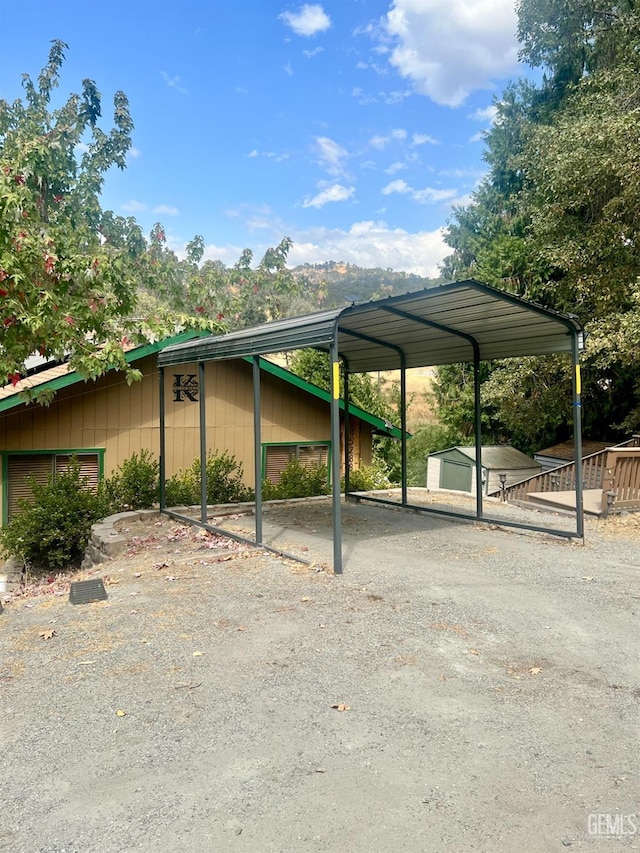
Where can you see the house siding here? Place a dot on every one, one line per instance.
(121, 419)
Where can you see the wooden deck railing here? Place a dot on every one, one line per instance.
(621, 481)
(563, 478)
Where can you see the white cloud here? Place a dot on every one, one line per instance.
(396, 167)
(331, 155)
(166, 210)
(173, 83)
(379, 141)
(428, 195)
(134, 206)
(487, 114)
(227, 254)
(309, 20)
(310, 53)
(134, 152)
(269, 155)
(423, 139)
(448, 50)
(372, 244)
(398, 186)
(432, 195)
(334, 193)
(477, 137)
(288, 69)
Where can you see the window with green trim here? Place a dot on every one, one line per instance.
(19, 467)
(276, 457)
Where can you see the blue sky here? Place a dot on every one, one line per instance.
(350, 126)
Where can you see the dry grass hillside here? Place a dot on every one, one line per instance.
(419, 379)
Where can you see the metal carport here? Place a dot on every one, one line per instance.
(466, 321)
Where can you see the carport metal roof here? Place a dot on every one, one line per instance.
(440, 325)
(466, 321)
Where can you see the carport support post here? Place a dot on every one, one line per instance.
(335, 456)
(403, 426)
(478, 426)
(203, 443)
(577, 434)
(347, 428)
(162, 473)
(257, 447)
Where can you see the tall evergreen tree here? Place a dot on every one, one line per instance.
(555, 219)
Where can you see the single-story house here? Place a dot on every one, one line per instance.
(105, 421)
(454, 469)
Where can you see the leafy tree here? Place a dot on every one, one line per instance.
(427, 438)
(240, 296)
(67, 270)
(556, 219)
(364, 391)
(78, 283)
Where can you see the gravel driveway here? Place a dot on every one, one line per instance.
(486, 685)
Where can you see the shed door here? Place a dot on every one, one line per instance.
(455, 476)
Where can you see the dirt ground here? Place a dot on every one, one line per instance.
(459, 688)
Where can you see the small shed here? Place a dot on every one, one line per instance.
(454, 469)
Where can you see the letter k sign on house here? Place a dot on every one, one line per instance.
(185, 386)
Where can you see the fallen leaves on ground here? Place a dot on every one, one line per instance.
(341, 707)
(139, 543)
(535, 670)
(47, 635)
(121, 713)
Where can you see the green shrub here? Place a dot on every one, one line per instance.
(296, 481)
(182, 489)
(428, 438)
(134, 485)
(368, 478)
(52, 531)
(224, 482)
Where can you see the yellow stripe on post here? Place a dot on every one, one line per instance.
(578, 381)
(336, 380)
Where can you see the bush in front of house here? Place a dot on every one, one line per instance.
(135, 485)
(53, 529)
(368, 478)
(224, 482)
(296, 481)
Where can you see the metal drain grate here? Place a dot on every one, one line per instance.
(84, 592)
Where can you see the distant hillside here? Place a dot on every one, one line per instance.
(333, 284)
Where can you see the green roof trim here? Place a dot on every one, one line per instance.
(72, 378)
(316, 391)
(144, 350)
